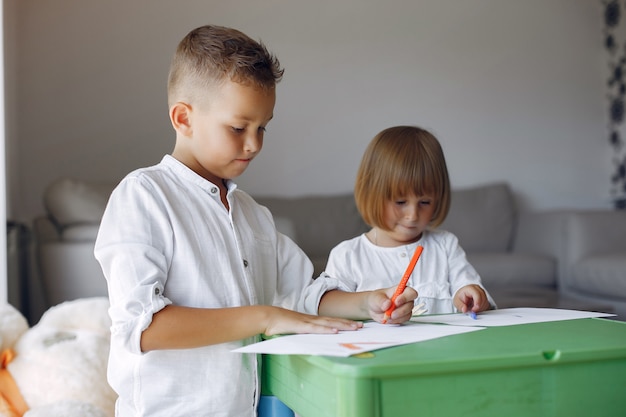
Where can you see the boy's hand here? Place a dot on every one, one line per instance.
(283, 321)
(471, 298)
(379, 302)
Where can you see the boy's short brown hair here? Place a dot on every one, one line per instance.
(210, 55)
(398, 162)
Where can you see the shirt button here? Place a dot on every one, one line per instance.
(403, 255)
(214, 190)
(157, 291)
(245, 263)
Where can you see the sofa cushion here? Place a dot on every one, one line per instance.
(69, 201)
(483, 218)
(319, 223)
(518, 269)
(603, 275)
(593, 232)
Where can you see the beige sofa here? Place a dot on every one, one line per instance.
(566, 259)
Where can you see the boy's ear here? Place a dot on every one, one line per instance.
(180, 116)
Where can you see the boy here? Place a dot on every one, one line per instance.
(195, 267)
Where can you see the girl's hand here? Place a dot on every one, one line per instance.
(379, 302)
(283, 321)
(471, 298)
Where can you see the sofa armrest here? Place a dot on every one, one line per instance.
(595, 255)
(69, 270)
(593, 232)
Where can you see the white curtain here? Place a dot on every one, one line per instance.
(615, 46)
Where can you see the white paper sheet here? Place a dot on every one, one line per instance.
(509, 317)
(371, 337)
(377, 336)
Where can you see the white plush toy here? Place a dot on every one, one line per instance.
(58, 365)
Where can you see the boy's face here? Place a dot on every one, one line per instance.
(221, 137)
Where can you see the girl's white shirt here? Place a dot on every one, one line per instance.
(359, 265)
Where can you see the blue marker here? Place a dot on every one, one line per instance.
(472, 315)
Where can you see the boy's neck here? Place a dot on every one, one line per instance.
(223, 192)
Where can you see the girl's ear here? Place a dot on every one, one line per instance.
(180, 116)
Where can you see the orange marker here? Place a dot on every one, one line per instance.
(403, 281)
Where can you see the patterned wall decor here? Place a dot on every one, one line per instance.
(615, 45)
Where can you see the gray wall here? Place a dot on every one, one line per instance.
(513, 89)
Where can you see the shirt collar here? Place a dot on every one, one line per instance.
(186, 173)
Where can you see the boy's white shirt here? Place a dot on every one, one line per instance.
(359, 265)
(166, 237)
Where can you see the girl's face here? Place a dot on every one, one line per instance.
(406, 219)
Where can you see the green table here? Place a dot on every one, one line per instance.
(565, 368)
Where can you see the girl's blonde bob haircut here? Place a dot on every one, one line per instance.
(401, 161)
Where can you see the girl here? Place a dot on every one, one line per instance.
(403, 192)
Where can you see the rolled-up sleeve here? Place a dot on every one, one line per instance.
(311, 296)
(131, 313)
